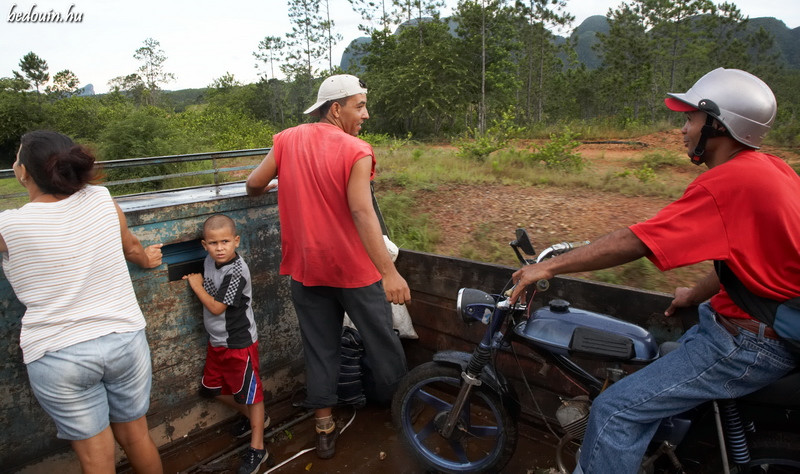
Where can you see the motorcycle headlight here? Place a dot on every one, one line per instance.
(474, 305)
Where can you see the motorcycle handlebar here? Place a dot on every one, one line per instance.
(559, 248)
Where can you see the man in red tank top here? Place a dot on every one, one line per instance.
(333, 248)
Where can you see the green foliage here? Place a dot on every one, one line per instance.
(20, 112)
(645, 173)
(663, 160)
(559, 154)
(495, 138)
(65, 84)
(416, 80)
(480, 147)
(151, 70)
(483, 73)
(646, 169)
(407, 228)
(81, 118)
(35, 70)
(219, 128)
(145, 132)
(377, 139)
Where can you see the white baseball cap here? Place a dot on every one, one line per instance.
(337, 87)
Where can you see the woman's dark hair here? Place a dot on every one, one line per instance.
(56, 164)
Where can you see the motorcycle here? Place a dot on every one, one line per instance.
(459, 413)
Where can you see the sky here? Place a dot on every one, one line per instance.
(202, 39)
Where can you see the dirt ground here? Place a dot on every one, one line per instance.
(554, 214)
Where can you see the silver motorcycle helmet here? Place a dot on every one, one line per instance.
(740, 101)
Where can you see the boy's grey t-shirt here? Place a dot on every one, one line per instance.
(229, 284)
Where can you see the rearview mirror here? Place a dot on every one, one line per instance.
(523, 242)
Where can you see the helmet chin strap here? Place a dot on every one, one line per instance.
(708, 131)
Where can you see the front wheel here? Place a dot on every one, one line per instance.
(484, 438)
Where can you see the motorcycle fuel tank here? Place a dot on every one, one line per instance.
(566, 330)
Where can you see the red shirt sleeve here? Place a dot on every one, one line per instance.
(687, 231)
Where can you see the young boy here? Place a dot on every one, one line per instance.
(231, 370)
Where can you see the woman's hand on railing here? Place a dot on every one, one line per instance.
(153, 255)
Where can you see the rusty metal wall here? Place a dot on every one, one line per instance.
(174, 324)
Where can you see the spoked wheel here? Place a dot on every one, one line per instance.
(484, 438)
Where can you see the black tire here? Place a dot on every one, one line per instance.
(483, 441)
(770, 452)
(774, 452)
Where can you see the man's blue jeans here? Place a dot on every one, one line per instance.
(709, 364)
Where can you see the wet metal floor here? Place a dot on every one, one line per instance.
(369, 444)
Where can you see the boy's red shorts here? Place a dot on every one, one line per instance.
(233, 372)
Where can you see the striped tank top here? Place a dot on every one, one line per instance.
(66, 265)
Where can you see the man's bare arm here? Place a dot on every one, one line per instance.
(149, 257)
(704, 289)
(258, 182)
(616, 248)
(359, 199)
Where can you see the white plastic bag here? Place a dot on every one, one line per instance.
(401, 320)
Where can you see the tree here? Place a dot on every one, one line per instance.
(65, 84)
(226, 92)
(225, 82)
(489, 38)
(370, 11)
(269, 51)
(331, 38)
(305, 45)
(675, 39)
(628, 63)
(417, 88)
(81, 118)
(152, 69)
(14, 84)
(656, 46)
(765, 54)
(35, 70)
(540, 53)
(131, 85)
(726, 27)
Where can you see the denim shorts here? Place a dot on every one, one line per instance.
(86, 385)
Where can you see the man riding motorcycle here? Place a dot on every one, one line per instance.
(743, 211)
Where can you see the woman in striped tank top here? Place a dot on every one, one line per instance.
(82, 336)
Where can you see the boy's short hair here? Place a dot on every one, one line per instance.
(219, 221)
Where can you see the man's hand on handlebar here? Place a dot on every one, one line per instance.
(526, 276)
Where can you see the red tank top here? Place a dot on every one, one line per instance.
(319, 240)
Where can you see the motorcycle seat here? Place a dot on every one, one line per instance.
(785, 392)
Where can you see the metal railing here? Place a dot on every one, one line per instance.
(215, 158)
